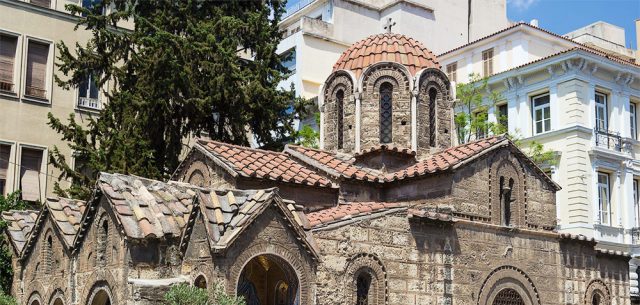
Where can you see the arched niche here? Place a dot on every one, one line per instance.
(508, 205)
(508, 283)
(434, 110)
(365, 280)
(339, 112)
(268, 279)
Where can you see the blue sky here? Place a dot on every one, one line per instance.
(563, 16)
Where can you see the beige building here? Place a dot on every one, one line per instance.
(29, 31)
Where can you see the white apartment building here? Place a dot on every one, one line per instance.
(581, 103)
(318, 31)
(29, 31)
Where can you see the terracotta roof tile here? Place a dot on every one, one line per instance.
(66, 214)
(348, 211)
(432, 213)
(386, 47)
(248, 162)
(19, 226)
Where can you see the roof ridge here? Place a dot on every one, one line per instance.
(237, 146)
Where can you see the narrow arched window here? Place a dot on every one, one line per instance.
(386, 113)
(48, 255)
(595, 300)
(506, 198)
(433, 94)
(363, 284)
(200, 282)
(102, 243)
(340, 115)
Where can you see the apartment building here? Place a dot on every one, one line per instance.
(29, 31)
(580, 102)
(318, 31)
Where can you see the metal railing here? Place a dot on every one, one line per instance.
(296, 7)
(608, 139)
(91, 103)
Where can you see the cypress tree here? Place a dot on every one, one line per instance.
(186, 67)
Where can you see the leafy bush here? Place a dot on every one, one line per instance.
(10, 202)
(183, 294)
(6, 299)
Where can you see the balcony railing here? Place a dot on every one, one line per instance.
(6, 86)
(90, 103)
(295, 7)
(608, 139)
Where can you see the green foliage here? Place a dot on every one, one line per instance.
(10, 202)
(6, 299)
(308, 137)
(183, 294)
(474, 100)
(182, 71)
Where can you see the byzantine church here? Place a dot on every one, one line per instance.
(387, 212)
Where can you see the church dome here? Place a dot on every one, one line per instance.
(389, 47)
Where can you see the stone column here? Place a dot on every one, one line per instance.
(358, 97)
(414, 120)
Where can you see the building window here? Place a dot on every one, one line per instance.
(43, 3)
(503, 116)
(93, 5)
(604, 199)
(37, 58)
(289, 60)
(102, 243)
(482, 129)
(386, 111)
(487, 62)
(633, 120)
(200, 282)
(8, 45)
(601, 112)
(363, 284)
(340, 115)
(433, 95)
(30, 166)
(452, 72)
(506, 199)
(5, 154)
(508, 296)
(541, 113)
(88, 93)
(48, 255)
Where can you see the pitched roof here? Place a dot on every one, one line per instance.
(67, 215)
(19, 226)
(258, 163)
(147, 208)
(386, 47)
(331, 163)
(350, 211)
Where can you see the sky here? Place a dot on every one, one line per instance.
(564, 16)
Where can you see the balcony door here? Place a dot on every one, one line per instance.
(601, 112)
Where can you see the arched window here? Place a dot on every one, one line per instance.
(363, 285)
(508, 296)
(433, 94)
(386, 112)
(596, 299)
(102, 243)
(506, 199)
(200, 282)
(340, 114)
(48, 254)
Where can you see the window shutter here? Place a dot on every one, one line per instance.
(43, 3)
(30, 174)
(7, 59)
(37, 69)
(5, 151)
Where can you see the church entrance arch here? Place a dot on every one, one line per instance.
(101, 297)
(268, 279)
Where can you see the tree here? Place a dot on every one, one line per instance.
(6, 299)
(474, 100)
(10, 202)
(309, 137)
(186, 68)
(183, 294)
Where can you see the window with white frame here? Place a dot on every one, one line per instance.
(633, 120)
(487, 62)
(601, 112)
(503, 115)
(37, 62)
(8, 47)
(5, 154)
(289, 60)
(541, 113)
(43, 3)
(604, 199)
(636, 203)
(30, 166)
(93, 5)
(88, 93)
(452, 72)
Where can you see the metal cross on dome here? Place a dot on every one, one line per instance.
(389, 24)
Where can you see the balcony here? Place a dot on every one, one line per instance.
(608, 139)
(89, 103)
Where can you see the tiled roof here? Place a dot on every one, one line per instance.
(147, 208)
(331, 163)
(432, 214)
(386, 47)
(67, 215)
(19, 226)
(386, 148)
(264, 164)
(349, 211)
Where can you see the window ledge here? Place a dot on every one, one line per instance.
(88, 110)
(9, 94)
(36, 100)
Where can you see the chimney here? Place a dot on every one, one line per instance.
(534, 22)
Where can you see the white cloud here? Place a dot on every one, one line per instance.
(521, 4)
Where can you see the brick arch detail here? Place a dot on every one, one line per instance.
(35, 292)
(100, 279)
(34, 296)
(339, 80)
(198, 173)
(302, 270)
(441, 117)
(58, 294)
(372, 79)
(502, 164)
(508, 277)
(371, 264)
(597, 286)
(97, 287)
